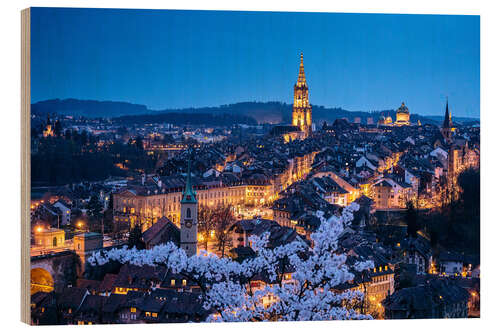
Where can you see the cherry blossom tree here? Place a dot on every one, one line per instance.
(226, 289)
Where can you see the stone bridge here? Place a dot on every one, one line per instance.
(54, 271)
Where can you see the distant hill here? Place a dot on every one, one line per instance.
(269, 112)
(87, 108)
(458, 120)
(262, 112)
(179, 118)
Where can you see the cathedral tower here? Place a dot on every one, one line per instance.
(301, 116)
(189, 217)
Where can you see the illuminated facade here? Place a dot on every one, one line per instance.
(49, 129)
(132, 206)
(388, 194)
(302, 115)
(378, 283)
(49, 238)
(385, 121)
(402, 116)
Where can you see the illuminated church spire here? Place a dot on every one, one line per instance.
(301, 115)
(301, 81)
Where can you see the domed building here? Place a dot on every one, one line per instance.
(385, 121)
(402, 116)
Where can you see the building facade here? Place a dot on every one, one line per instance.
(144, 204)
(49, 238)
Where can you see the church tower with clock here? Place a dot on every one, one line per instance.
(189, 217)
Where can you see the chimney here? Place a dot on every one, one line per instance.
(143, 178)
(159, 183)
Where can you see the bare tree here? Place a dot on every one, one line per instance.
(224, 218)
(206, 224)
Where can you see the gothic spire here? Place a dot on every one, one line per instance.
(301, 81)
(189, 195)
(447, 116)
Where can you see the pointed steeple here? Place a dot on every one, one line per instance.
(189, 195)
(301, 81)
(447, 117)
(301, 115)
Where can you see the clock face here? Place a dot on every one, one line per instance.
(188, 224)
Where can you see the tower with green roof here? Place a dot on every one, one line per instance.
(189, 217)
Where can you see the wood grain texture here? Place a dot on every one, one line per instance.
(25, 165)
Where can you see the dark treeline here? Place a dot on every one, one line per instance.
(456, 226)
(228, 114)
(75, 157)
(188, 119)
(87, 108)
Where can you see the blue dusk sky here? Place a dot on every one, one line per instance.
(175, 59)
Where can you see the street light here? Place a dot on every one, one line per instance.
(79, 224)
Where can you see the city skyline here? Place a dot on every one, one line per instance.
(363, 62)
(258, 211)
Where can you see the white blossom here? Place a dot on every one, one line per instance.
(225, 283)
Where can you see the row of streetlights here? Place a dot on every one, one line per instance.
(40, 228)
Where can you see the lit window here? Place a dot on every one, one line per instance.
(133, 310)
(184, 282)
(155, 315)
(172, 282)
